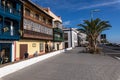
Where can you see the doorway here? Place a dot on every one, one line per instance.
(66, 44)
(7, 47)
(57, 46)
(23, 49)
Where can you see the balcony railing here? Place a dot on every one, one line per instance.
(36, 35)
(7, 34)
(37, 21)
(59, 39)
(9, 10)
(57, 30)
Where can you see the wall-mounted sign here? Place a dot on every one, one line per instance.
(34, 45)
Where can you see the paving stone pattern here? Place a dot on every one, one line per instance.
(71, 65)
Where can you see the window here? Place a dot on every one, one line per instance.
(37, 16)
(3, 2)
(65, 36)
(57, 35)
(50, 21)
(44, 20)
(27, 12)
(0, 19)
(41, 18)
(41, 47)
(30, 25)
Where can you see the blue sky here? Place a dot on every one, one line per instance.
(74, 12)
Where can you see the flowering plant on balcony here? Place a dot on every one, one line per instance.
(20, 32)
(5, 29)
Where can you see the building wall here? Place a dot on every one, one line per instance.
(36, 28)
(82, 39)
(53, 15)
(33, 46)
(11, 47)
(57, 23)
(60, 45)
(72, 37)
(10, 18)
(69, 38)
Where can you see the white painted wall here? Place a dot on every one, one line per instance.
(13, 52)
(83, 37)
(74, 37)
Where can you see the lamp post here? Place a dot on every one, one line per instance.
(91, 13)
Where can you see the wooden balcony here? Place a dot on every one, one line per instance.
(10, 12)
(57, 30)
(58, 39)
(36, 35)
(38, 21)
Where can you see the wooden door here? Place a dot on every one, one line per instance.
(23, 49)
(57, 46)
(66, 44)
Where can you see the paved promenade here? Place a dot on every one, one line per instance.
(71, 65)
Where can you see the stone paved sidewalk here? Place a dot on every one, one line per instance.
(71, 65)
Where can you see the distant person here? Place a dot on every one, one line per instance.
(26, 54)
(35, 54)
(46, 47)
(2, 55)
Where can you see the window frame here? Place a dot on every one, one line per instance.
(27, 12)
(41, 46)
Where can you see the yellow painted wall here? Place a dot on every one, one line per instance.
(60, 45)
(31, 49)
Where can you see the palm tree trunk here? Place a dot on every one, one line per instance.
(95, 46)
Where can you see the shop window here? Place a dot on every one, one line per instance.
(41, 47)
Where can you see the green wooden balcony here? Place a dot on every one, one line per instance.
(58, 39)
(58, 30)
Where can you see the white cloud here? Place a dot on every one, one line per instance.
(77, 5)
(99, 5)
(66, 23)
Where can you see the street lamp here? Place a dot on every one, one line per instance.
(96, 10)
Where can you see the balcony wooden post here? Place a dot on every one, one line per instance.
(0, 2)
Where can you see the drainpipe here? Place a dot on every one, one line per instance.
(11, 28)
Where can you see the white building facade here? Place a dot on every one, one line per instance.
(70, 37)
(82, 39)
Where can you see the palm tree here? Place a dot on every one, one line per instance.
(93, 29)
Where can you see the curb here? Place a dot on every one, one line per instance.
(20, 65)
